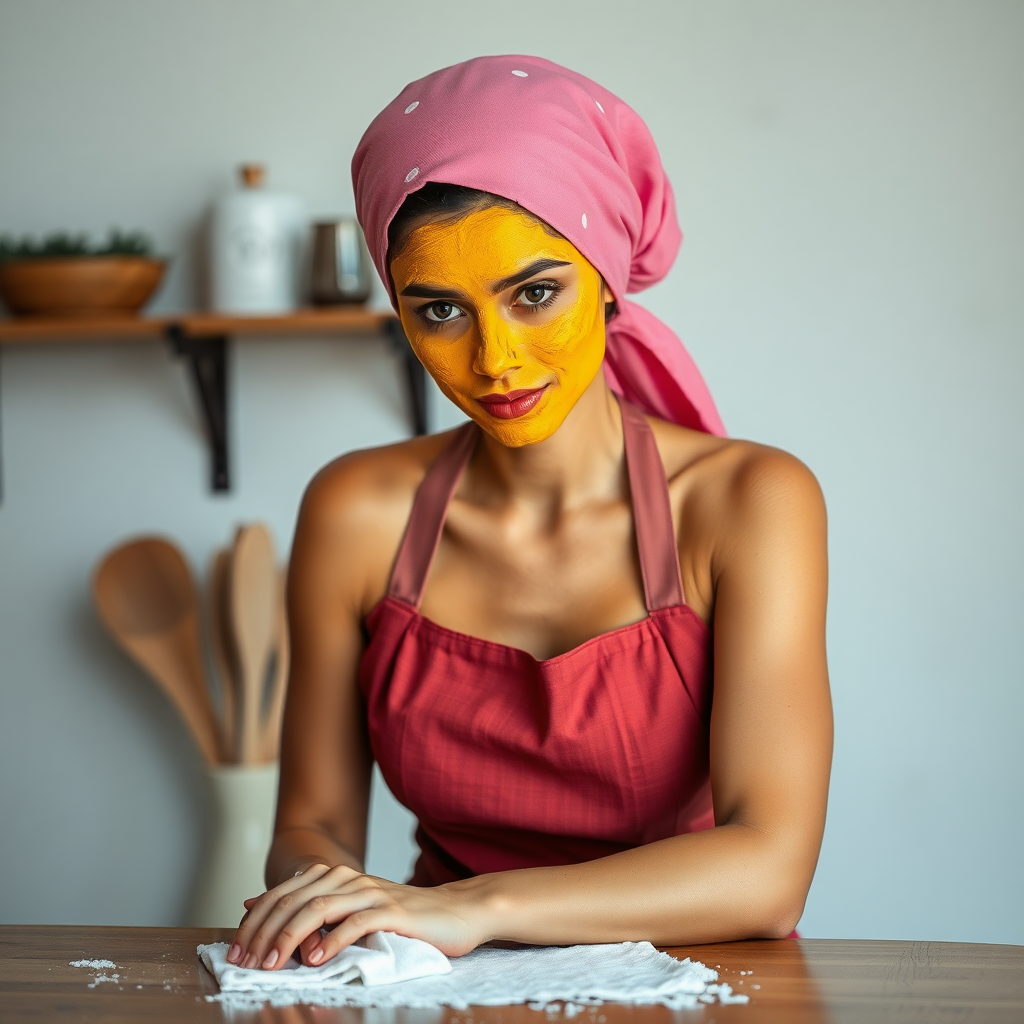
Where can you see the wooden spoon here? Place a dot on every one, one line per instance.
(270, 742)
(222, 647)
(147, 599)
(253, 606)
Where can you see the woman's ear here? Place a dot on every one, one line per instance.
(609, 301)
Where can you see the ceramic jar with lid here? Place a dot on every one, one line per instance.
(256, 239)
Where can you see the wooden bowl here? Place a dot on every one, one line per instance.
(79, 286)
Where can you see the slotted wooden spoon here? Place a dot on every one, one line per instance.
(147, 599)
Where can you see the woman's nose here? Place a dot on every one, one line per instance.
(496, 353)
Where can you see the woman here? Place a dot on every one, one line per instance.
(518, 619)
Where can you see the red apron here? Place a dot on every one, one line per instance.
(510, 762)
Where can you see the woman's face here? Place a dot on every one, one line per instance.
(506, 318)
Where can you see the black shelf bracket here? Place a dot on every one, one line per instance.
(208, 358)
(415, 375)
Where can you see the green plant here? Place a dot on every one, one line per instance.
(62, 244)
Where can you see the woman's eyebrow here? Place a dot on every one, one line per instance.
(433, 291)
(430, 291)
(525, 274)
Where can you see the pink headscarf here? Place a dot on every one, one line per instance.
(572, 154)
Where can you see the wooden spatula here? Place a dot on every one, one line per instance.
(222, 647)
(253, 605)
(270, 742)
(147, 599)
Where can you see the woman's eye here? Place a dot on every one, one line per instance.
(442, 312)
(535, 294)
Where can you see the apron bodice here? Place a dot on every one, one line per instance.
(511, 762)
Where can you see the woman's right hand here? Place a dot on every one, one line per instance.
(352, 904)
(240, 941)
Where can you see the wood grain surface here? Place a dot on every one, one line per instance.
(794, 981)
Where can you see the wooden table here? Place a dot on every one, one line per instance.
(801, 981)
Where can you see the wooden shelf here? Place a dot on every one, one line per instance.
(32, 330)
(202, 339)
(42, 330)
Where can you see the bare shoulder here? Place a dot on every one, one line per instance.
(738, 493)
(362, 484)
(774, 510)
(355, 510)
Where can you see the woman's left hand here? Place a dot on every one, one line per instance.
(289, 917)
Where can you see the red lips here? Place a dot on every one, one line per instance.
(512, 404)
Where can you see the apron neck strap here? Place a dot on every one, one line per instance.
(652, 513)
(426, 521)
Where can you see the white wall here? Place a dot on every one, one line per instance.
(849, 181)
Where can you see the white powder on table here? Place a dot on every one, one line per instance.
(100, 966)
(115, 977)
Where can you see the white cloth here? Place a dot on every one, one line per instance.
(381, 958)
(625, 972)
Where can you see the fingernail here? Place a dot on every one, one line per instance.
(316, 955)
(234, 952)
(271, 959)
(250, 961)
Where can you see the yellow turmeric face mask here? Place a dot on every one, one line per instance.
(506, 318)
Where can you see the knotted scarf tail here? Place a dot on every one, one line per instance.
(648, 365)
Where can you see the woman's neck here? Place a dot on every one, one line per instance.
(582, 460)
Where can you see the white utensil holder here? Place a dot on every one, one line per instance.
(244, 798)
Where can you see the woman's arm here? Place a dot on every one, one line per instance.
(771, 742)
(344, 542)
(325, 759)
